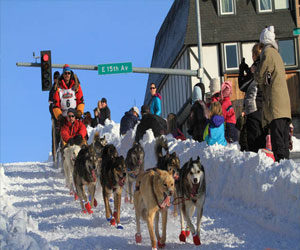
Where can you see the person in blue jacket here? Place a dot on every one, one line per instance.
(155, 106)
(129, 120)
(215, 129)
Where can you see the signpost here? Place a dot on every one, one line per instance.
(296, 31)
(114, 68)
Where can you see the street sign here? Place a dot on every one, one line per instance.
(296, 32)
(114, 68)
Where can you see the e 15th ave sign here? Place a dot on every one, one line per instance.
(296, 31)
(114, 68)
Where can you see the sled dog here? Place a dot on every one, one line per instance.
(191, 189)
(85, 175)
(113, 177)
(135, 165)
(70, 154)
(152, 195)
(98, 144)
(168, 162)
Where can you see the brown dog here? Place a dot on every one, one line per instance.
(84, 174)
(113, 177)
(152, 195)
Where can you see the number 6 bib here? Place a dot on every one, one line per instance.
(67, 100)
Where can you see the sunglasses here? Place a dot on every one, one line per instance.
(71, 116)
(67, 73)
(152, 88)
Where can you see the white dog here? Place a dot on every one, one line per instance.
(70, 154)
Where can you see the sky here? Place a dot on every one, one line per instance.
(77, 32)
(251, 202)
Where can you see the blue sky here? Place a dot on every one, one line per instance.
(76, 32)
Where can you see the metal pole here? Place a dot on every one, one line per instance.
(182, 72)
(200, 70)
(73, 66)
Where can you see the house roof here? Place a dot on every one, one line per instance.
(179, 30)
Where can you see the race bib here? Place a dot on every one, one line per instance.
(67, 100)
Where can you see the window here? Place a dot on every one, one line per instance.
(231, 56)
(287, 51)
(281, 4)
(264, 5)
(227, 7)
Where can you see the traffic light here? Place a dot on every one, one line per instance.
(46, 69)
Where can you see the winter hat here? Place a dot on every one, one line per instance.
(145, 109)
(72, 111)
(103, 100)
(226, 89)
(267, 36)
(135, 109)
(66, 68)
(214, 86)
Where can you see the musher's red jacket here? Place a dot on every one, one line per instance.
(69, 130)
(78, 93)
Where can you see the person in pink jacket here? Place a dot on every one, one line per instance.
(231, 133)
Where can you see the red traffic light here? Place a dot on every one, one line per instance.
(45, 57)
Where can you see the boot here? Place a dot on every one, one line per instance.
(196, 240)
(88, 208)
(138, 238)
(182, 236)
(160, 245)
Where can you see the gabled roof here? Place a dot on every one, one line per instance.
(179, 29)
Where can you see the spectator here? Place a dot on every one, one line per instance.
(96, 119)
(145, 110)
(241, 126)
(129, 120)
(68, 95)
(73, 131)
(231, 133)
(87, 120)
(173, 127)
(155, 106)
(198, 92)
(199, 113)
(270, 75)
(99, 107)
(104, 111)
(214, 131)
(252, 102)
(215, 94)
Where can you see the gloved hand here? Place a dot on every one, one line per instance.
(71, 141)
(79, 114)
(243, 66)
(77, 139)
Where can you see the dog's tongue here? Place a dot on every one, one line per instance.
(94, 175)
(166, 202)
(121, 182)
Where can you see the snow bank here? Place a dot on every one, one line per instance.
(16, 228)
(250, 183)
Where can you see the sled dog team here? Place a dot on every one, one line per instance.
(154, 187)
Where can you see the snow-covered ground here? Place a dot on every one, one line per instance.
(252, 203)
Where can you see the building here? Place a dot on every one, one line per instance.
(229, 29)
